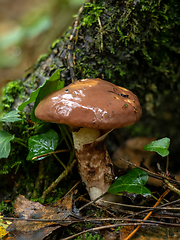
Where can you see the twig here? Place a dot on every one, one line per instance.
(142, 207)
(170, 186)
(148, 215)
(75, 185)
(78, 219)
(98, 206)
(93, 201)
(46, 154)
(152, 174)
(104, 227)
(39, 180)
(162, 207)
(61, 176)
(138, 223)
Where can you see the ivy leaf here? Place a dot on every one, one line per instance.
(132, 182)
(42, 144)
(5, 145)
(160, 146)
(12, 116)
(52, 84)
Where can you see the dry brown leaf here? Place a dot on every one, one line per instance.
(27, 210)
(125, 231)
(65, 203)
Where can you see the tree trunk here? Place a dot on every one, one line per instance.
(132, 43)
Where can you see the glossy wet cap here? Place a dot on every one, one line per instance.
(92, 103)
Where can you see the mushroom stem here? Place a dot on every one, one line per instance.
(94, 163)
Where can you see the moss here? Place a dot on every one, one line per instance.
(140, 52)
(13, 89)
(89, 236)
(92, 13)
(134, 44)
(54, 43)
(42, 57)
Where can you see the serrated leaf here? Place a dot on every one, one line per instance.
(42, 144)
(5, 145)
(52, 84)
(12, 116)
(132, 182)
(160, 146)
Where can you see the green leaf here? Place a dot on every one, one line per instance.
(132, 182)
(42, 144)
(160, 146)
(52, 84)
(5, 145)
(12, 116)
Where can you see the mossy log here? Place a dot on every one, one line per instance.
(132, 43)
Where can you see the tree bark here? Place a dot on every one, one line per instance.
(134, 44)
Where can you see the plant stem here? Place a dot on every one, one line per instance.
(20, 141)
(167, 164)
(64, 132)
(39, 180)
(59, 160)
(61, 176)
(172, 187)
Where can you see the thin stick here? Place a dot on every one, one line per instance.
(146, 222)
(149, 214)
(171, 187)
(142, 207)
(93, 201)
(46, 154)
(104, 227)
(61, 176)
(75, 185)
(152, 174)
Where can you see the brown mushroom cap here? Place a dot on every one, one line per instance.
(92, 103)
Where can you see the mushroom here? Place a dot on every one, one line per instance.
(92, 108)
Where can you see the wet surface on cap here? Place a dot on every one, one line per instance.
(93, 103)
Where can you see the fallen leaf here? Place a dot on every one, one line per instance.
(35, 215)
(3, 226)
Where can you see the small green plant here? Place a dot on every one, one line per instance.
(93, 13)
(5, 208)
(54, 83)
(89, 236)
(134, 180)
(161, 147)
(21, 140)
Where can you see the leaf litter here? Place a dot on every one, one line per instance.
(35, 224)
(37, 221)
